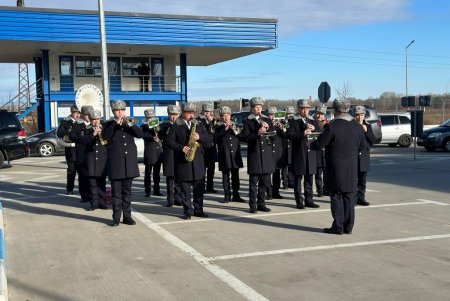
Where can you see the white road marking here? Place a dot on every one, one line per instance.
(328, 247)
(370, 190)
(257, 216)
(30, 189)
(236, 284)
(433, 202)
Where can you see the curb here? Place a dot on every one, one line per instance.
(3, 281)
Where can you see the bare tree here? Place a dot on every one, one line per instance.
(345, 91)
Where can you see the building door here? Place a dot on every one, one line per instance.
(115, 83)
(66, 74)
(157, 69)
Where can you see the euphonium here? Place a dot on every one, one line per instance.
(192, 144)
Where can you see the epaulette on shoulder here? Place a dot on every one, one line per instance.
(251, 116)
(68, 118)
(296, 117)
(263, 116)
(179, 121)
(80, 121)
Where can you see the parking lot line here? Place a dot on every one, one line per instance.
(433, 202)
(236, 284)
(418, 202)
(329, 247)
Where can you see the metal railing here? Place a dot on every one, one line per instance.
(124, 84)
(17, 103)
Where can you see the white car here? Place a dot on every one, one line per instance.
(396, 129)
(140, 148)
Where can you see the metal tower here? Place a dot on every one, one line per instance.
(24, 78)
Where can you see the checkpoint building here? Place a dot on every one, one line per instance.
(64, 46)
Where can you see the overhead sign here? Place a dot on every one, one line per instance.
(324, 92)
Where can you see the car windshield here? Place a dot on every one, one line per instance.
(447, 123)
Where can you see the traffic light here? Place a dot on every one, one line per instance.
(409, 101)
(216, 105)
(425, 100)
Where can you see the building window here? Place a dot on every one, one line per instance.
(88, 66)
(130, 65)
(65, 65)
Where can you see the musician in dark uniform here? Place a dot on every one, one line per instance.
(286, 172)
(76, 135)
(364, 154)
(304, 162)
(258, 132)
(190, 173)
(63, 132)
(273, 190)
(152, 154)
(173, 187)
(120, 132)
(226, 136)
(319, 122)
(342, 139)
(206, 119)
(95, 160)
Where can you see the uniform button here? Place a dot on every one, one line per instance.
(124, 144)
(230, 138)
(96, 158)
(126, 153)
(231, 144)
(123, 136)
(262, 150)
(96, 151)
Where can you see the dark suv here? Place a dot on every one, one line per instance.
(438, 137)
(12, 138)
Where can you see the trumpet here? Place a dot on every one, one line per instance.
(234, 127)
(128, 121)
(99, 128)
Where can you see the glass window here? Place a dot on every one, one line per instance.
(130, 65)
(388, 120)
(65, 65)
(404, 120)
(88, 66)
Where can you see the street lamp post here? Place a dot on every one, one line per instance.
(106, 106)
(413, 112)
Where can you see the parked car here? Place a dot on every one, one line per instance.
(438, 137)
(396, 129)
(45, 144)
(13, 145)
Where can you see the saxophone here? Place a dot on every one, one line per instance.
(192, 144)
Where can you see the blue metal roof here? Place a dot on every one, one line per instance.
(67, 26)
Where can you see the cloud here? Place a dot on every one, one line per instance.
(294, 16)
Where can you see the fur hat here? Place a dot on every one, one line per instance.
(207, 107)
(290, 110)
(359, 110)
(189, 107)
(272, 110)
(303, 103)
(74, 108)
(118, 105)
(86, 109)
(95, 114)
(149, 112)
(256, 101)
(225, 110)
(173, 110)
(341, 105)
(321, 109)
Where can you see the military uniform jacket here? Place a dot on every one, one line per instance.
(342, 139)
(178, 138)
(95, 156)
(64, 128)
(364, 153)
(152, 149)
(211, 149)
(278, 149)
(122, 151)
(229, 154)
(304, 159)
(320, 152)
(260, 152)
(167, 157)
(76, 136)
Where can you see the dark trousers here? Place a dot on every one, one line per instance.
(71, 174)
(83, 183)
(343, 210)
(235, 185)
(144, 82)
(97, 186)
(156, 178)
(362, 179)
(210, 170)
(287, 176)
(274, 184)
(319, 179)
(121, 198)
(173, 191)
(198, 188)
(307, 185)
(257, 190)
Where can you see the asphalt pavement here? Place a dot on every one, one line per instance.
(399, 249)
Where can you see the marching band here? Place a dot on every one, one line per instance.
(292, 150)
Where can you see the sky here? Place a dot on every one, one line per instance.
(356, 43)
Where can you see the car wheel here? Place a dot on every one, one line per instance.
(404, 140)
(430, 149)
(392, 144)
(46, 149)
(446, 145)
(2, 159)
